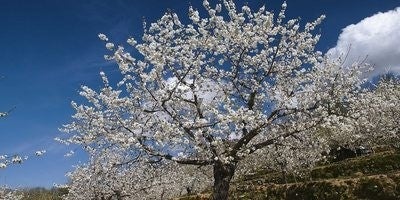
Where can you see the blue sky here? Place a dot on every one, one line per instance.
(50, 48)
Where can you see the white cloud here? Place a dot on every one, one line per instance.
(376, 39)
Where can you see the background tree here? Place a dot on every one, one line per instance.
(214, 91)
(373, 118)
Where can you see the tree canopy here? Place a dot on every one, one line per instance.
(234, 85)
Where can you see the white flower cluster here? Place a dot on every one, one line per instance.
(109, 176)
(6, 160)
(40, 153)
(103, 37)
(7, 193)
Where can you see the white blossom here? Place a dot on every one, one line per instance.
(103, 37)
(109, 46)
(131, 41)
(40, 153)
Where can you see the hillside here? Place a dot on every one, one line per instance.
(375, 176)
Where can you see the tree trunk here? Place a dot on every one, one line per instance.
(284, 176)
(223, 174)
(118, 194)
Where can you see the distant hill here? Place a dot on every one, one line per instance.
(44, 194)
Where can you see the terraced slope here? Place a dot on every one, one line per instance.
(370, 177)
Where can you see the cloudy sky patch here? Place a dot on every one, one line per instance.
(375, 39)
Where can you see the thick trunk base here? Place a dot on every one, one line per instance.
(223, 174)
